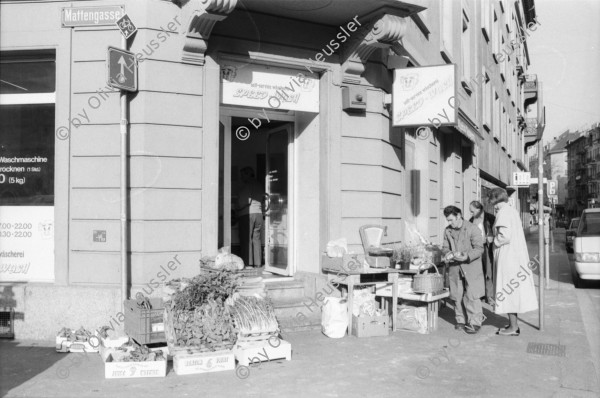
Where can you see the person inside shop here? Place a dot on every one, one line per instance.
(485, 222)
(250, 217)
(515, 290)
(462, 248)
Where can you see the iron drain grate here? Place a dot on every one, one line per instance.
(556, 350)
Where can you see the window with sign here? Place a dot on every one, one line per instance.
(27, 120)
(27, 96)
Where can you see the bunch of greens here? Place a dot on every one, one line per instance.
(199, 314)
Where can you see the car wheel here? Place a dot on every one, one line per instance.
(577, 281)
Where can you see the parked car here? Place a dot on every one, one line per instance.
(587, 247)
(570, 235)
(562, 223)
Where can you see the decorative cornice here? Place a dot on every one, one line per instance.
(203, 15)
(380, 32)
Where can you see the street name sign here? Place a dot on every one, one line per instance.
(126, 26)
(91, 16)
(122, 69)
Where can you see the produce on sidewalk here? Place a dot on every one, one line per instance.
(78, 335)
(198, 312)
(254, 315)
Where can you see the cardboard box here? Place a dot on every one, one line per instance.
(348, 264)
(63, 344)
(128, 370)
(370, 326)
(217, 361)
(247, 353)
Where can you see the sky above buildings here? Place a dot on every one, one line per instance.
(565, 54)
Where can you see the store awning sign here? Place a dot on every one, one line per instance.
(425, 96)
(91, 16)
(269, 87)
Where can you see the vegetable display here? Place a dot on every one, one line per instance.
(79, 335)
(254, 315)
(199, 315)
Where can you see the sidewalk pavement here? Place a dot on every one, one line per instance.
(445, 363)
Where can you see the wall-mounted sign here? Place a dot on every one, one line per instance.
(269, 87)
(425, 96)
(91, 16)
(27, 249)
(521, 179)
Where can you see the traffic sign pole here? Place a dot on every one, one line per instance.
(540, 212)
(124, 240)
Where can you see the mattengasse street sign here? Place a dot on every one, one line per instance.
(122, 69)
(91, 16)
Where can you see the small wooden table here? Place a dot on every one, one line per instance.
(368, 277)
(432, 305)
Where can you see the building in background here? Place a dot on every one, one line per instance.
(304, 94)
(555, 168)
(583, 157)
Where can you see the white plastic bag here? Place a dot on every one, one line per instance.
(337, 248)
(334, 317)
(412, 318)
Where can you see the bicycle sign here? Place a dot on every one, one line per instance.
(126, 27)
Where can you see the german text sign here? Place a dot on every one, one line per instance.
(91, 16)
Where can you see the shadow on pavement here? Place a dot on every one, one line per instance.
(38, 359)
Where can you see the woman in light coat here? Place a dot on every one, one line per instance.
(514, 287)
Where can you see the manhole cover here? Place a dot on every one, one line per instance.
(546, 349)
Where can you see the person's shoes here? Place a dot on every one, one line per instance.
(459, 326)
(472, 329)
(504, 332)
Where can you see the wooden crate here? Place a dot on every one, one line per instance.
(370, 326)
(247, 353)
(203, 362)
(128, 370)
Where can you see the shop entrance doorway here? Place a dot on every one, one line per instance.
(256, 190)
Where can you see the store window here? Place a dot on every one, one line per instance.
(27, 119)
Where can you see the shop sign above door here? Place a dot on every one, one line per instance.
(269, 87)
(91, 16)
(425, 96)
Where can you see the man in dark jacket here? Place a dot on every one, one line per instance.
(485, 222)
(463, 247)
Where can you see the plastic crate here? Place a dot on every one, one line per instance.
(7, 323)
(139, 322)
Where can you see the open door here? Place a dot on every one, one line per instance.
(279, 201)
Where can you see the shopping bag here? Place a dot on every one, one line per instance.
(412, 318)
(334, 317)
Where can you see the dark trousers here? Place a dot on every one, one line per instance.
(488, 271)
(250, 231)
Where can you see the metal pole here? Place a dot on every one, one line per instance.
(124, 122)
(541, 230)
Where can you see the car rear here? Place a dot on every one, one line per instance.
(587, 245)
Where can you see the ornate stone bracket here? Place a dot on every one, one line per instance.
(382, 32)
(202, 16)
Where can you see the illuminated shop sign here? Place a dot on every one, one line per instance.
(425, 96)
(269, 87)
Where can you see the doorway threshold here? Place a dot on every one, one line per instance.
(271, 277)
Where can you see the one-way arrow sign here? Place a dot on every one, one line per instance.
(122, 69)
